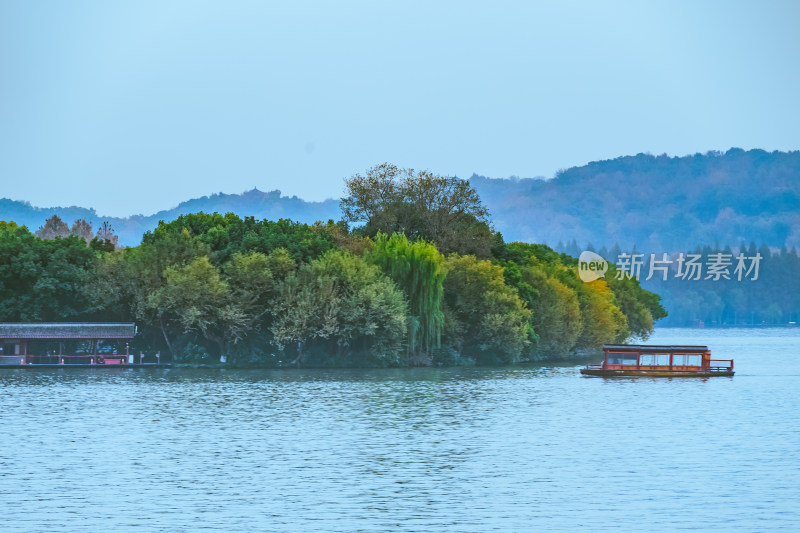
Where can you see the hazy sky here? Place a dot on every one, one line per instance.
(131, 107)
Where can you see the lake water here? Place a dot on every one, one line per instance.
(527, 448)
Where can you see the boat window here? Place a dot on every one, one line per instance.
(655, 359)
(615, 358)
(686, 359)
(662, 359)
(629, 360)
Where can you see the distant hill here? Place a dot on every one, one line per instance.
(656, 203)
(259, 204)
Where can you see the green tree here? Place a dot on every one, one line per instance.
(601, 319)
(491, 323)
(612, 310)
(123, 282)
(441, 209)
(640, 307)
(197, 298)
(556, 313)
(418, 269)
(339, 309)
(42, 280)
(225, 235)
(253, 279)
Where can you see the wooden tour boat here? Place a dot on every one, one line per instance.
(658, 361)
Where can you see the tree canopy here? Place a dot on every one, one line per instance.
(440, 209)
(426, 291)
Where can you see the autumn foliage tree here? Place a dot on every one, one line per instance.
(106, 237)
(82, 229)
(54, 228)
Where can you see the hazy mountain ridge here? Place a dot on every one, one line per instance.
(259, 204)
(656, 203)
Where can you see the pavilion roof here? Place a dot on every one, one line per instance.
(67, 330)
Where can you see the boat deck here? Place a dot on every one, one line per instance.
(633, 372)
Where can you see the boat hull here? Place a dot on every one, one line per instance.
(612, 373)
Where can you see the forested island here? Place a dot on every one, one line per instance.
(414, 274)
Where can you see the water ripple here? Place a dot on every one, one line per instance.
(462, 450)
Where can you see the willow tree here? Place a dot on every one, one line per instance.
(419, 270)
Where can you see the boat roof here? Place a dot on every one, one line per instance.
(652, 348)
(67, 330)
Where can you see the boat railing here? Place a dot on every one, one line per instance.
(720, 365)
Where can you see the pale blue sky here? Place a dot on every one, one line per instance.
(132, 107)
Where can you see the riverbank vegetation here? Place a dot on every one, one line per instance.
(414, 275)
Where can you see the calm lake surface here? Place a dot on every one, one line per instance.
(527, 448)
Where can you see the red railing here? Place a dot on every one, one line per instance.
(715, 365)
(89, 359)
(720, 365)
